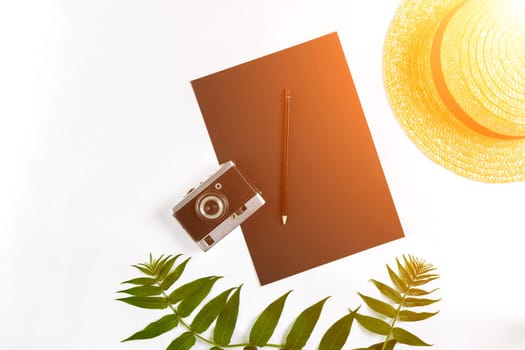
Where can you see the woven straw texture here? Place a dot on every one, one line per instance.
(455, 78)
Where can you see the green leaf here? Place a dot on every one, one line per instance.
(410, 316)
(336, 336)
(412, 302)
(227, 319)
(216, 348)
(250, 348)
(156, 328)
(304, 325)
(209, 312)
(152, 261)
(265, 324)
(189, 304)
(157, 263)
(143, 281)
(379, 306)
(388, 292)
(373, 324)
(419, 292)
(184, 342)
(172, 277)
(144, 270)
(379, 346)
(146, 302)
(406, 337)
(188, 289)
(142, 291)
(166, 268)
(398, 282)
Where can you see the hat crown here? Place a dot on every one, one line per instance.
(482, 62)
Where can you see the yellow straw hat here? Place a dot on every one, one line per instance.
(455, 78)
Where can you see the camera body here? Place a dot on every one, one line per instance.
(218, 205)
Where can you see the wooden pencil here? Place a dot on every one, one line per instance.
(286, 134)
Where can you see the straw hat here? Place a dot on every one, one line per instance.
(455, 77)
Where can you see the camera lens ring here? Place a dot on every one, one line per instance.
(211, 206)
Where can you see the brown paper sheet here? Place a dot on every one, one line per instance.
(338, 201)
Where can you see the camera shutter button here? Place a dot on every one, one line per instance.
(189, 191)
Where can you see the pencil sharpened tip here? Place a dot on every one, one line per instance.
(284, 217)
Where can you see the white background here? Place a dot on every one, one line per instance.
(100, 134)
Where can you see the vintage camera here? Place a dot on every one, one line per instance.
(218, 205)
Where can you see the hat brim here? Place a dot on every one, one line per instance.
(425, 118)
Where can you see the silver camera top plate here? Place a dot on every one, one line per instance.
(202, 186)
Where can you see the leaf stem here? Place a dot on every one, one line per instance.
(183, 323)
(395, 319)
(396, 316)
(280, 346)
(206, 340)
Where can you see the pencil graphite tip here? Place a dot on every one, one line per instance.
(284, 217)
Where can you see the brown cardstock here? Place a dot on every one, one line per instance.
(338, 201)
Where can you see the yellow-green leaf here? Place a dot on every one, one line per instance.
(398, 282)
(419, 292)
(189, 303)
(409, 267)
(209, 312)
(303, 326)
(184, 342)
(336, 336)
(425, 281)
(146, 302)
(413, 302)
(410, 316)
(265, 324)
(403, 273)
(373, 324)
(427, 269)
(379, 306)
(388, 291)
(405, 337)
(227, 319)
(156, 328)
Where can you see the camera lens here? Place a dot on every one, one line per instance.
(211, 206)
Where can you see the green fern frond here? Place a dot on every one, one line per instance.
(157, 289)
(404, 293)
